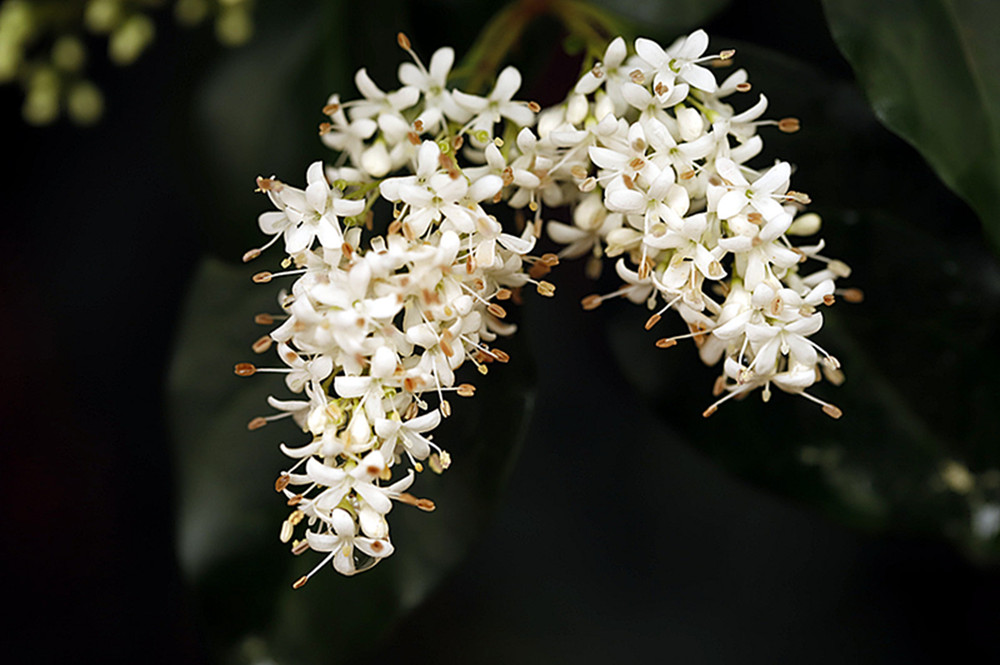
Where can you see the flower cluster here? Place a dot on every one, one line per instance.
(659, 161)
(651, 164)
(375, 326)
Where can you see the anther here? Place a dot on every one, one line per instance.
(798, 197)
(578, 172)
(299, 548)
(534, 106)
(720, 385)
(687, 175)
(666, 343)
(282, 482)
(593, 301)
(262, 277)
(262, 344)
(832, 411)
(403, 41)
(597, 71)
(445, 408)
(636, 77)
(263, 319)
(539, 270)
(268, 184)
(244, 369)
(652, 321)
(296, 517)
(547, 289)
(829, 299)
(709, 411)
(628, 182)
(789, 125)
(418, 125)
(466, 390)
(500, 355)
(496, 310)
(286, 531)
(727, 54)
(250, 255)
(295, 500)
(301, 582)
(743, 87)
(330, 109)
(256, 423)
(324, 128)
(503, 294)
(853, 295)
(457, 142)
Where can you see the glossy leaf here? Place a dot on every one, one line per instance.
(229, 516)
(931, 70)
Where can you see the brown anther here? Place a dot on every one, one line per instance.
(756, 218)
(295, 500)
(413, 138)
(479, 284)
(636, 77)
(628, 182)
(549, 259)
(282, 482)
(373, 469)
(301, 582)
(411, 411)
(377, 546)
(687, 175)
(250, 255)
(829, 299)
(700, 336)
(445, 408)
(789, 125)
(446, 348)
(853, 295)
(418, 125)
(244, 369)
(262, 277)
(709, 411)
(470, 264)
(652, 321)
(538, 270)
(661, 89)
(743, 87)
(394, 227)
(776, 305)
(409, 384)
(300, 548)
(727, 54)
(466, 390)
(666, 343)
(593, 301)
(720, 385)
(296, 517)
(503, 294)
(547, 289)
(500, 355)
(798, 197)
(457, 142)
(507, 176)
(268, 184)
(832, 411)
(256, 423)
(263, 319)
(403, 41)
(324, 128)
(262, 344)
(496, 310)
(331, 108)
(534, 106)
(644, 270)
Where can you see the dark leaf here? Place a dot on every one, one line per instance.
(931, 70)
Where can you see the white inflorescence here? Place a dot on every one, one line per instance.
(652, 166)
(372, 331)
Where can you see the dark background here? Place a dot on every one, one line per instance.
(589, 559)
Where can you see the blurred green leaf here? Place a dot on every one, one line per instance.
(229, 516)
(931, 70)
(919, 353)
(665, 19)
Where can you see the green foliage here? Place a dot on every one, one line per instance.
(930, 70)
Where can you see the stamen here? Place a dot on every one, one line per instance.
(743, 87)
(262, 344)
(244, 369)
(466, 390)
(282, 482)
(547, 289)
(299, 548)
(593, 301)
(256, 423)
(789, 125)
(403, 41)
(852, 295)
(301, 582)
